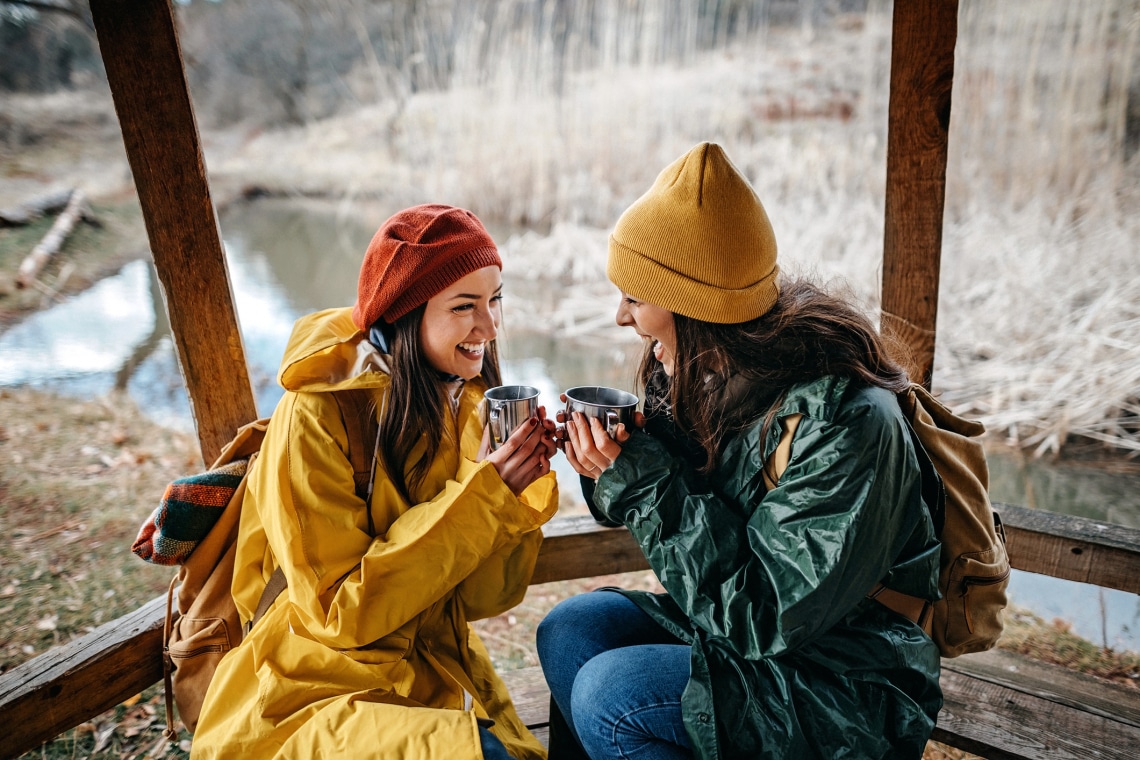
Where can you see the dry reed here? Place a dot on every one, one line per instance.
(1040, 292)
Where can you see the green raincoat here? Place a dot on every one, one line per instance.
(369, 653)
(789, 659)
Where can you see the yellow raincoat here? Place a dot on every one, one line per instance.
(368, 652)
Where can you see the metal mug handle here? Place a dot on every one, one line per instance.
(612, 420)
(493, 417)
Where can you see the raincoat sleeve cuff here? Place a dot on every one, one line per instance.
(541, 497)
(638, 455)
(467, 468)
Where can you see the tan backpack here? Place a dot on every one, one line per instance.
(974, 569)
(195, 526)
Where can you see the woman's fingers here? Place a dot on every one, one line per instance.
(579, 467)
(525, 455)
(595, 449)
(551, 432)
(621, 435)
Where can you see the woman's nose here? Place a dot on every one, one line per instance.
(488, 323)
(623, 316)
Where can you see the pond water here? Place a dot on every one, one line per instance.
(286, 261)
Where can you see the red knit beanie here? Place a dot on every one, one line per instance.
(419, 252)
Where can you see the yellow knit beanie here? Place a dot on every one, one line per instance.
(699, 243)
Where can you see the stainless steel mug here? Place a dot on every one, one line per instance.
(610, 405)
(508, 406)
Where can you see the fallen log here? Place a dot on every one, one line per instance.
(30, 267)
(29, 211)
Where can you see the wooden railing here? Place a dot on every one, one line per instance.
(70, 684)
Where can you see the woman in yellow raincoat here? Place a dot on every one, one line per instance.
(367, 653)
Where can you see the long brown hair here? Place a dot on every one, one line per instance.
(807, 334)
(416, 404)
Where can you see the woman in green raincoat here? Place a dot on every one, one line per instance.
(367, 653)
(768, 642)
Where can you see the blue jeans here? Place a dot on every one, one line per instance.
(617, 677)
(493, 749)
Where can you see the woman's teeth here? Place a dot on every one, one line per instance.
(472, 348)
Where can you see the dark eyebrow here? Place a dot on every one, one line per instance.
(475, 296)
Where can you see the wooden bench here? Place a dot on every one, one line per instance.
(998, 705)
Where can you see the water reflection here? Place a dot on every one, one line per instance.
(285, 261)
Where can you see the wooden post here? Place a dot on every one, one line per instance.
(922, 73)
(139, 44)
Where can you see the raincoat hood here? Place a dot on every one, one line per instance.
(328, 352)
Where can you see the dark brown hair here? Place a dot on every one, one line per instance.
(416, 404)
(807, 334)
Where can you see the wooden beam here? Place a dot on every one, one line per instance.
(139, 43)
(65, 686)
(1016, 716)
(577, 547)
(1056, 683)
(922, 73)
(1072, 548)
(70, 684)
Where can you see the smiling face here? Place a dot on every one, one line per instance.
(652, 323)
(460, 321)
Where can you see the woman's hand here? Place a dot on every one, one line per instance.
(588, 448)
(525, 456)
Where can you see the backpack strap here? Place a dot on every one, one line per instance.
(914, 609)
(360, 425)
(778, 460)
(168, 662)
(363, 438)
(269, 595)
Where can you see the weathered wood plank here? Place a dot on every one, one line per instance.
(1052, 682)
(922, 72)
(1072, 548)
(577, 547)
(139, 43)
(530, 694)
(67, 685)
(1002, 723)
